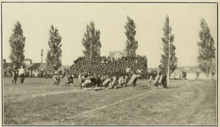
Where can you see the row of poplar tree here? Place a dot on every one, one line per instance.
(92, 44)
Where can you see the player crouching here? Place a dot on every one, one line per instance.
(161, 78)
(56, 77)
(69, 80)
(133, 76)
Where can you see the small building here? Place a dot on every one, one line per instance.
(37, 66)
(117, 54)
(6, 65)
(27, 61)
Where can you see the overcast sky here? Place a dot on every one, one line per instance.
(110, 18)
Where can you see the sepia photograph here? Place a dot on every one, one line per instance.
(117, 63)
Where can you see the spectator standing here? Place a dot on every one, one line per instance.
(14, 75)
(213, 75)
(197, 75)
(184, 75)
(21, 73)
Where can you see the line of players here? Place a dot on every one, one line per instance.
(107, 81)
(110, 81)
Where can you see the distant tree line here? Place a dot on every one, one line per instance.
(92, 44)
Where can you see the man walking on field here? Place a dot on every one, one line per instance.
(21, 73)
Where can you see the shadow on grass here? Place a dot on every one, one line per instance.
(98, 89)
(171, 87)
(144, 87)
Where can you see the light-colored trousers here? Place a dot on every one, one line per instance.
(112, 83)
(158, 79)
(86, 82)
(107, 81)
(121, 80)
(133, 77)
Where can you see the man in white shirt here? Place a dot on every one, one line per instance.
(21, 73)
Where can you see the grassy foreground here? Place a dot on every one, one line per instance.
(38, 102)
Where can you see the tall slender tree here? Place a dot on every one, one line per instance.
(131, 44)
(55, 52)
(168, 37)
(206, 58)
(17, 43)
(91, 41)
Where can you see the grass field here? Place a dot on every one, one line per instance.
(38, 102)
